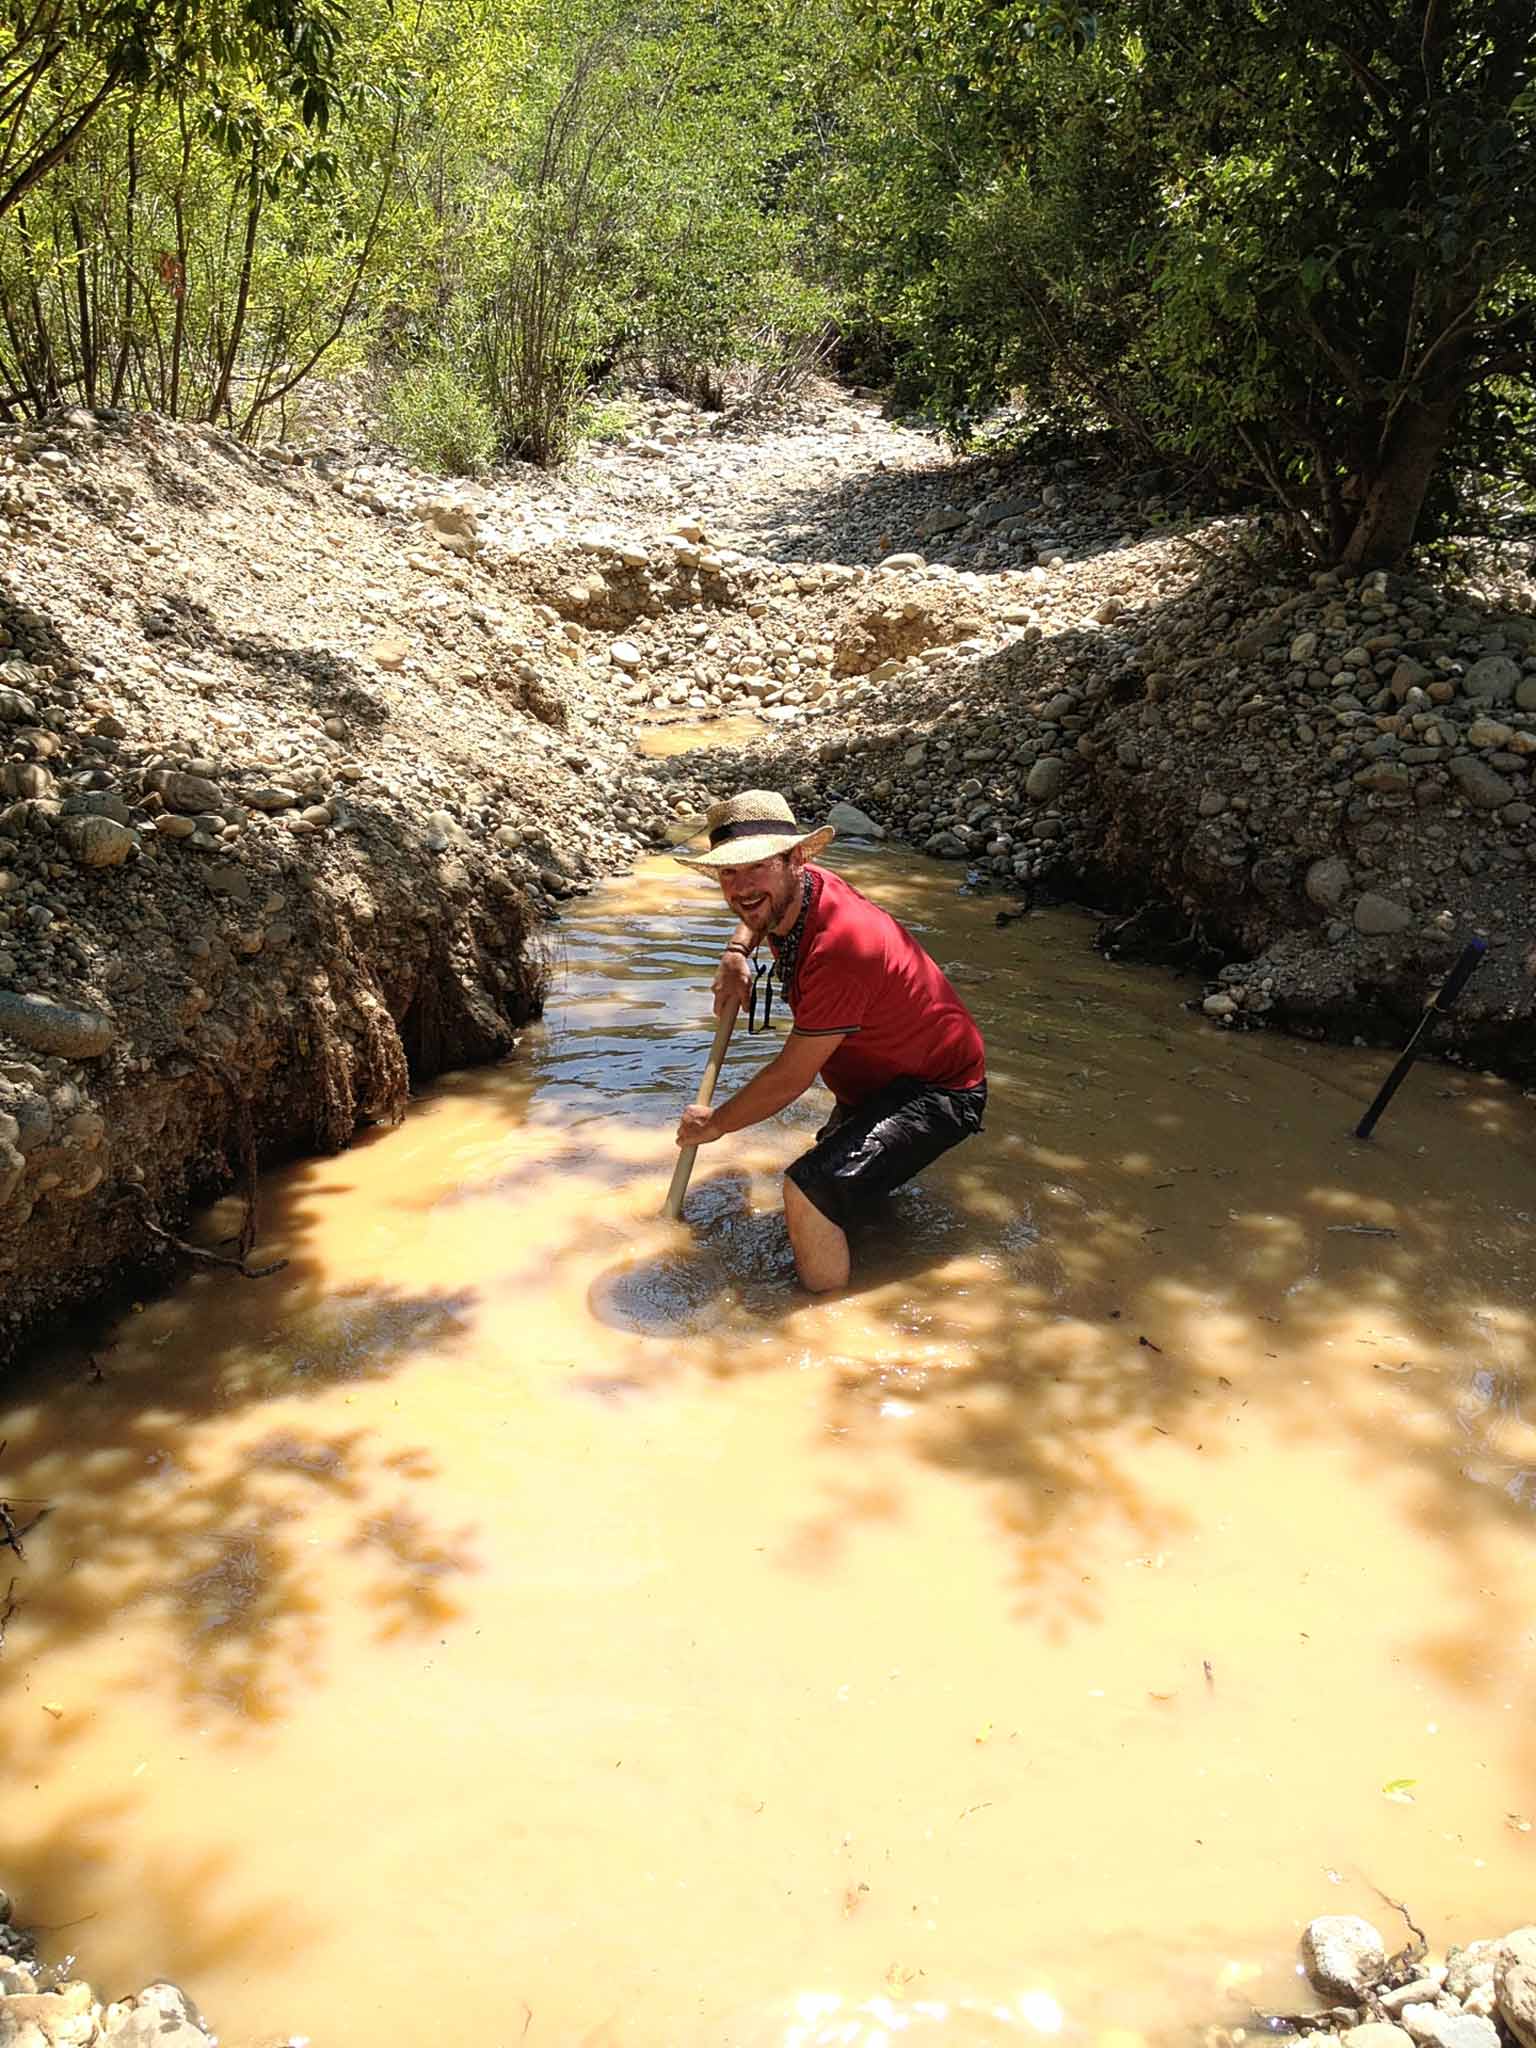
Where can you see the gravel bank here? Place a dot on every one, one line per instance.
(299, 752)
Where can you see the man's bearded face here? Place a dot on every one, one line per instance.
(762, 895)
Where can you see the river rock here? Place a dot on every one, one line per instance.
(49, 1027)
(15, 709)
(1380, 916)
(12, 1165)
(1342, 1954)
(1494, 679)
(269, 796)
(1433, 2027)
(1525, 694)
(48, 2019)
(1377, 2034)
(625, 654)
(1483, 787)
(849, 819)
(25, 778)
(1515, 1985)
(1045, 779)
(160, 2017)
(1328, 883)
(180, 791)
(97, 842)
(442, 831)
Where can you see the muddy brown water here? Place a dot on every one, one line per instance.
(659, 737)
(526, 1621)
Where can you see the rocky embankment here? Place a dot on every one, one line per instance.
(41, 2006)
(299, 750)
(1480, 1996)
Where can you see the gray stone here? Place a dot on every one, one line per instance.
(1386, 777)
(1525, 693)
(1212, 803)
(1376, 2034)
(15, 709)
(160, 2017)
(1004, 509)
(1433, 2027)
(25, 778)
(1380, 916)
(947, 519)
(947, 846)
(98, 803)
(1494, 679)
(1342, 1954)
(48, 1027)
(1045, 779)
(1328, 882)
(1483, 787)
(443, 830)
(180, 791)
(849, 819)
(269, 796)
(97, 842)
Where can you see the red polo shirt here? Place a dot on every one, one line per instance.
(862, 973)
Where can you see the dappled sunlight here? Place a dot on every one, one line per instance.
(1166, 1469)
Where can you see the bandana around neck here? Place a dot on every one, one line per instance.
(785, 959)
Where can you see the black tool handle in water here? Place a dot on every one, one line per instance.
(1438, 1003)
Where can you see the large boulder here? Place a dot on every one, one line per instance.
(1342, 1955)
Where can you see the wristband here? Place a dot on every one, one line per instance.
(744, 951)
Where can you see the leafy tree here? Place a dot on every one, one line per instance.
(1293, 242)
(66, 61)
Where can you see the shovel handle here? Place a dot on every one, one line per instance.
(673, 1205)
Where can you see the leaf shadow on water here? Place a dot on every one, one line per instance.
(1166, 1235)
(1141, 1177)
(156, 1520)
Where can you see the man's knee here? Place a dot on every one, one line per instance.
(820, 1245)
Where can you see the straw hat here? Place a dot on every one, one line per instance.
(751, 827)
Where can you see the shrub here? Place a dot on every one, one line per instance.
(439, 421)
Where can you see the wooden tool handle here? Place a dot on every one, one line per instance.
(673, 1205)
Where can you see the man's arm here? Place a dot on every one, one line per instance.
(734, 978)
(782, 1081)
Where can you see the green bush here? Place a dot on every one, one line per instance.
(439, 421)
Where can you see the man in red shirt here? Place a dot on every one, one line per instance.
(873, 1016)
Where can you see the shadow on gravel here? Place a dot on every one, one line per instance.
(847, 521)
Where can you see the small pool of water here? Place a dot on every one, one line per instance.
(525, 1621)
(687, 732)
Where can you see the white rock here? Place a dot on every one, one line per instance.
(1342, 1954)
(625, 654)
(1432, 2027)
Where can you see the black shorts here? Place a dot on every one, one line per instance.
(878, 1144)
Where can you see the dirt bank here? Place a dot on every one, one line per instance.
(299, 752)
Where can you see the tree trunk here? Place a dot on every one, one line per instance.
(1388, 518)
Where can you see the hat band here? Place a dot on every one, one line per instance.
(755, 828)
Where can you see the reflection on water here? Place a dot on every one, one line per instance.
(1022, 1642)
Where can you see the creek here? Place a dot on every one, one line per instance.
(525, 1621)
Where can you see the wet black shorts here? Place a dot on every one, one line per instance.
(881, 1142)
